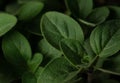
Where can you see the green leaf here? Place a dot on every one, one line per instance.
(16, 48)
(48, 50)
(56, 26)
(56, 71)
(35, 62)
(29, 78)
(30, 10)
(12, 8)
(115, 12)
(72, 50)
(80, 8)
(98, 15)
(105, 38)
(7, 22)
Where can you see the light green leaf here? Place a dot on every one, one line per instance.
(80, 8)
(48, 50)
(56, 71)
(72, 50)
(105, 38)
(30, 10)
(16, 48)
(56, 26)
(35, 62)
(98, 15)
(7, 22)
(29, 78)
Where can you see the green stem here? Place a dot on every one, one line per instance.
(93, 61)
(107, 71)
(87, 23)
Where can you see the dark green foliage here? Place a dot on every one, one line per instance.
(59, 41)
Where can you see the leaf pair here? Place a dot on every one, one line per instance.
(83, 9)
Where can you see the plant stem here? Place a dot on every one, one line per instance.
(87, 23)
(90, 77)
(107, 71)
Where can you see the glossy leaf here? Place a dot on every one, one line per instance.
(72, 50)
(56, 71)
(48, 50)
(29, 78)
(35, 62)
(56, 26)
(105, 38)
(7, 22)
(16, 48)
(30, 10)
(98, 15)
(80, 8)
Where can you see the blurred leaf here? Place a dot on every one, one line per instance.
(29, 10)
(16, 48)
(80, 8)
(98, 15)
(7, 22)
(35, 62)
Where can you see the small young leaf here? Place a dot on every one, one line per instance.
(48, 50)
(35, 62)
(56, 71)
(72, 50)
(16, 48)
(29, 78)
(80, 8)
(7, 22)
(29, 10)
(105, 38)
(56, 26)
(98, 15)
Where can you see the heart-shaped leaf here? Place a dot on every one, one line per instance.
(80, 8)
(56, 26)
(35, 62)
(98, 15)
(105, 38)
(7, 22)
(16, 48)
(56, 71)
(29, 10)
(72, 50)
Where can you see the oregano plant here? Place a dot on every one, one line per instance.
(59, 41)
